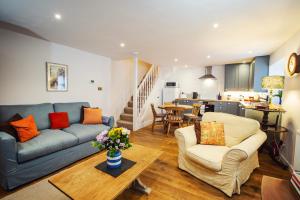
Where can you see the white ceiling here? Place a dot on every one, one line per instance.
(161, 29)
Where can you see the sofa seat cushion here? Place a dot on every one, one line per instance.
(49, 141)
(86, 133)
(210, 156)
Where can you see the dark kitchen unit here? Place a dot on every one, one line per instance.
(247, 76)
(231, 107)
(208, 106)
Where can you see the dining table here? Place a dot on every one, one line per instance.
(176, 108)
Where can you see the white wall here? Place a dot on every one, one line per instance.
(121, 86)
(122, 83)
(291, 98)
(23, 72)
(188, 79)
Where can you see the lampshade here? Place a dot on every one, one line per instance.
(272, 82)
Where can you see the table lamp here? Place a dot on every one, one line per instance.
(272, 83)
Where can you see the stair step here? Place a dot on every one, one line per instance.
(125, 124)
(126, 117)
(130, 104)
(128, 110)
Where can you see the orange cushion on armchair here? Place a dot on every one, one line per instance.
(212, 133)
(26, 128)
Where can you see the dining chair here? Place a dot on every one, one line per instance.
(194, 115)
(174, 119)
(157, 117)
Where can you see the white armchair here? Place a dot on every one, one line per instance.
(224, 167)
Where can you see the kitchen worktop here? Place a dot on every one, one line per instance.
(209, 100)
(245, 104)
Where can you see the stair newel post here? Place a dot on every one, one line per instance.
(135, 90)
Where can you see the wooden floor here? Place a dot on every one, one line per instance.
(169, 182)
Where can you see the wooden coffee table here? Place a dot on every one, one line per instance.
(84, 181)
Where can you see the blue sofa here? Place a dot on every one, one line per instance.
(52, 149)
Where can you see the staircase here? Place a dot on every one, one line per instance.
(143, 91)
(126, 118)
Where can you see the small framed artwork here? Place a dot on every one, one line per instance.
(57, 77)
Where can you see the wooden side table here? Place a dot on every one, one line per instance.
(275, 146)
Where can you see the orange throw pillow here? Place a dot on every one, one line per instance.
(26, 128)
(92, 116)
(212, 133)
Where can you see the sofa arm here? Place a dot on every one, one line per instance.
(109, 121)
(246, 148)
(8, 153)
(186, 137)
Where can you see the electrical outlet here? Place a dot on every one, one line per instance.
(99, 88)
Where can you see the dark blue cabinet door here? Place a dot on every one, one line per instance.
(260, 69)
(243, 77)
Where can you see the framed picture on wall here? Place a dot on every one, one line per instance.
(57, 77)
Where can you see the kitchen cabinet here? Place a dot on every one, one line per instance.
(237, 77)
(227, 107)
(244, 77)
(189, 102)
(259, 68)
(231, 80)
(241, 111)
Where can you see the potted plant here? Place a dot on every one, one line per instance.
(114, 140)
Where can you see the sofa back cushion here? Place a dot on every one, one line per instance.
(39, 111)
(236, 128)
(73, 110)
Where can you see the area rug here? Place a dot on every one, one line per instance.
(37, 191)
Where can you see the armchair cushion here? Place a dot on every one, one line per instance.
(236, 128)
(210, 156)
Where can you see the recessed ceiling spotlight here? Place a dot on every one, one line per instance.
(122, 44)
(186, 66)
(57, 16)
(208, 57)
(216, 25)
(175, 59)
(250, 52)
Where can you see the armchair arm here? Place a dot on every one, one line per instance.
(246, 148)
(186, 137)
(8, 153)
(251, 144)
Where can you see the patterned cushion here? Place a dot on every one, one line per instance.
(212, 133)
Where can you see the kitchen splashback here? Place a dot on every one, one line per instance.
(245, 95)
